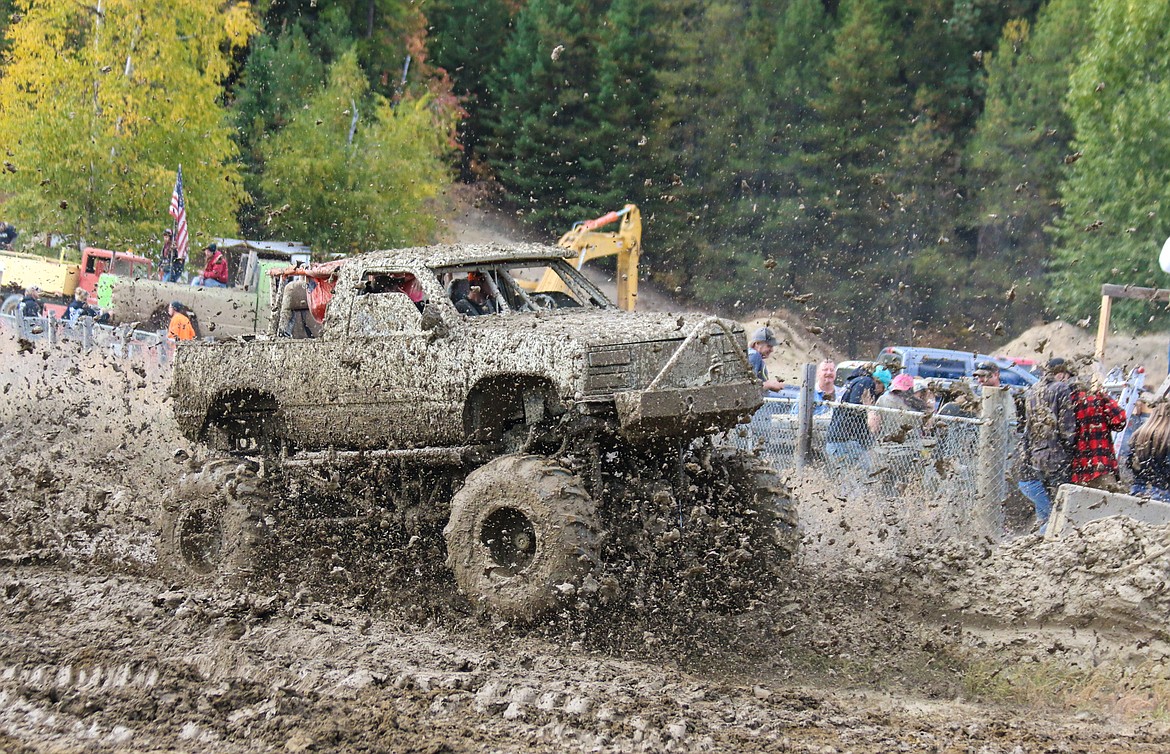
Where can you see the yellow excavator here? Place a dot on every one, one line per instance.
(586, 242)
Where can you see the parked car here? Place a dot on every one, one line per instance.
(949, 365)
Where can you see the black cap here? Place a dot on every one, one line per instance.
(211, 247)
(1058, 365)
(987, 366)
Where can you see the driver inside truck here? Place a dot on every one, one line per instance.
(472, 296)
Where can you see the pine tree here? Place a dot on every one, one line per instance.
(1113, 225)
(863, 115)
(98, 109)
(546, 120)
(1016, 153)
(466, 39)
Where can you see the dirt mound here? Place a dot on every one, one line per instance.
(1068, 341)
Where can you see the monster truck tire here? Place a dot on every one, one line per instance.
(522, 536)
(212, 524)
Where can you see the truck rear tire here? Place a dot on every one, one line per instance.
(755, 536)
(212, 525)
(522, 536)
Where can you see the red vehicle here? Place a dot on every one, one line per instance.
(58, 279)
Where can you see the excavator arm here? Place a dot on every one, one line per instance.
(586, 242)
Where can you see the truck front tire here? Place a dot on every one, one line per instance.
(522, 536)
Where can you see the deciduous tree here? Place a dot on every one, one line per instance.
(100, 103)
(351, 172)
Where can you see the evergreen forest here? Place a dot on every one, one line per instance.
(946, 168)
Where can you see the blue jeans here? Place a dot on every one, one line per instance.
(1141, 489)
(1034, 490)
(208, 282)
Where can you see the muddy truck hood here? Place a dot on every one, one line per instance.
(667, 374)
(592, 327)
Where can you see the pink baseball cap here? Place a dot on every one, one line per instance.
(902, 382)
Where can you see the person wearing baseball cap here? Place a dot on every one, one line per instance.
(987, 373)
(1050, 434)
(760, 347)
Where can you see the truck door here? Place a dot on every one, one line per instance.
(392, 384)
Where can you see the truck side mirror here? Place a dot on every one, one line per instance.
(432, 322)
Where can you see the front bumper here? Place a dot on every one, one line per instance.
(691, 411)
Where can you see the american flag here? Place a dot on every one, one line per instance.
(179, 212)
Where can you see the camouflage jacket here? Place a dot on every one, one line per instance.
(1050, 432)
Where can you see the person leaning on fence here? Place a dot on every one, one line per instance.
(1149, 457)
(1050, 429)
(898, 433)
(848, 437)
(1098, 415)
(79, 307)
(762, 344)
(180, 327)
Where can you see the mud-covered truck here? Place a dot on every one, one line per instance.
(564, 448)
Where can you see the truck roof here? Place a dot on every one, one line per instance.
(449, 255)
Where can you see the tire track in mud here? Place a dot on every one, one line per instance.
(114, 663)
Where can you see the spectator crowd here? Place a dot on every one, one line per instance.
(1066, 429)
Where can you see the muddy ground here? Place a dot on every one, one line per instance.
(942, 645)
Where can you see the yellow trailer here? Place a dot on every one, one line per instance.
(54, 277)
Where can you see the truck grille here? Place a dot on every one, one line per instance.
(712, 360)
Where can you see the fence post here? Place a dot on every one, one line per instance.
(51, 323)
(804, 410)
(994, 449)
(87, 332)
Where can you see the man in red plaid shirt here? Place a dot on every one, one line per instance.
(1094, 463)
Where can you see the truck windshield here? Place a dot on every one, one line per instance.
(125, 267)
(524, 286)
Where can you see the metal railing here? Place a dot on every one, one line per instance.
(122, 341)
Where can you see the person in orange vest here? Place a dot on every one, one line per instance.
(180, 327)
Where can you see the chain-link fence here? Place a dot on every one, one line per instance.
(121, 341)
(901, 475)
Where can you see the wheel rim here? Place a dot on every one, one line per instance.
(510, 539)
(200, 539)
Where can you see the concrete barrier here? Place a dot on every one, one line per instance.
(1076, 506)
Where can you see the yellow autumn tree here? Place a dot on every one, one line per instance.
(100, 101)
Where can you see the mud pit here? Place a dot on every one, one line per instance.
(1032, 646)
